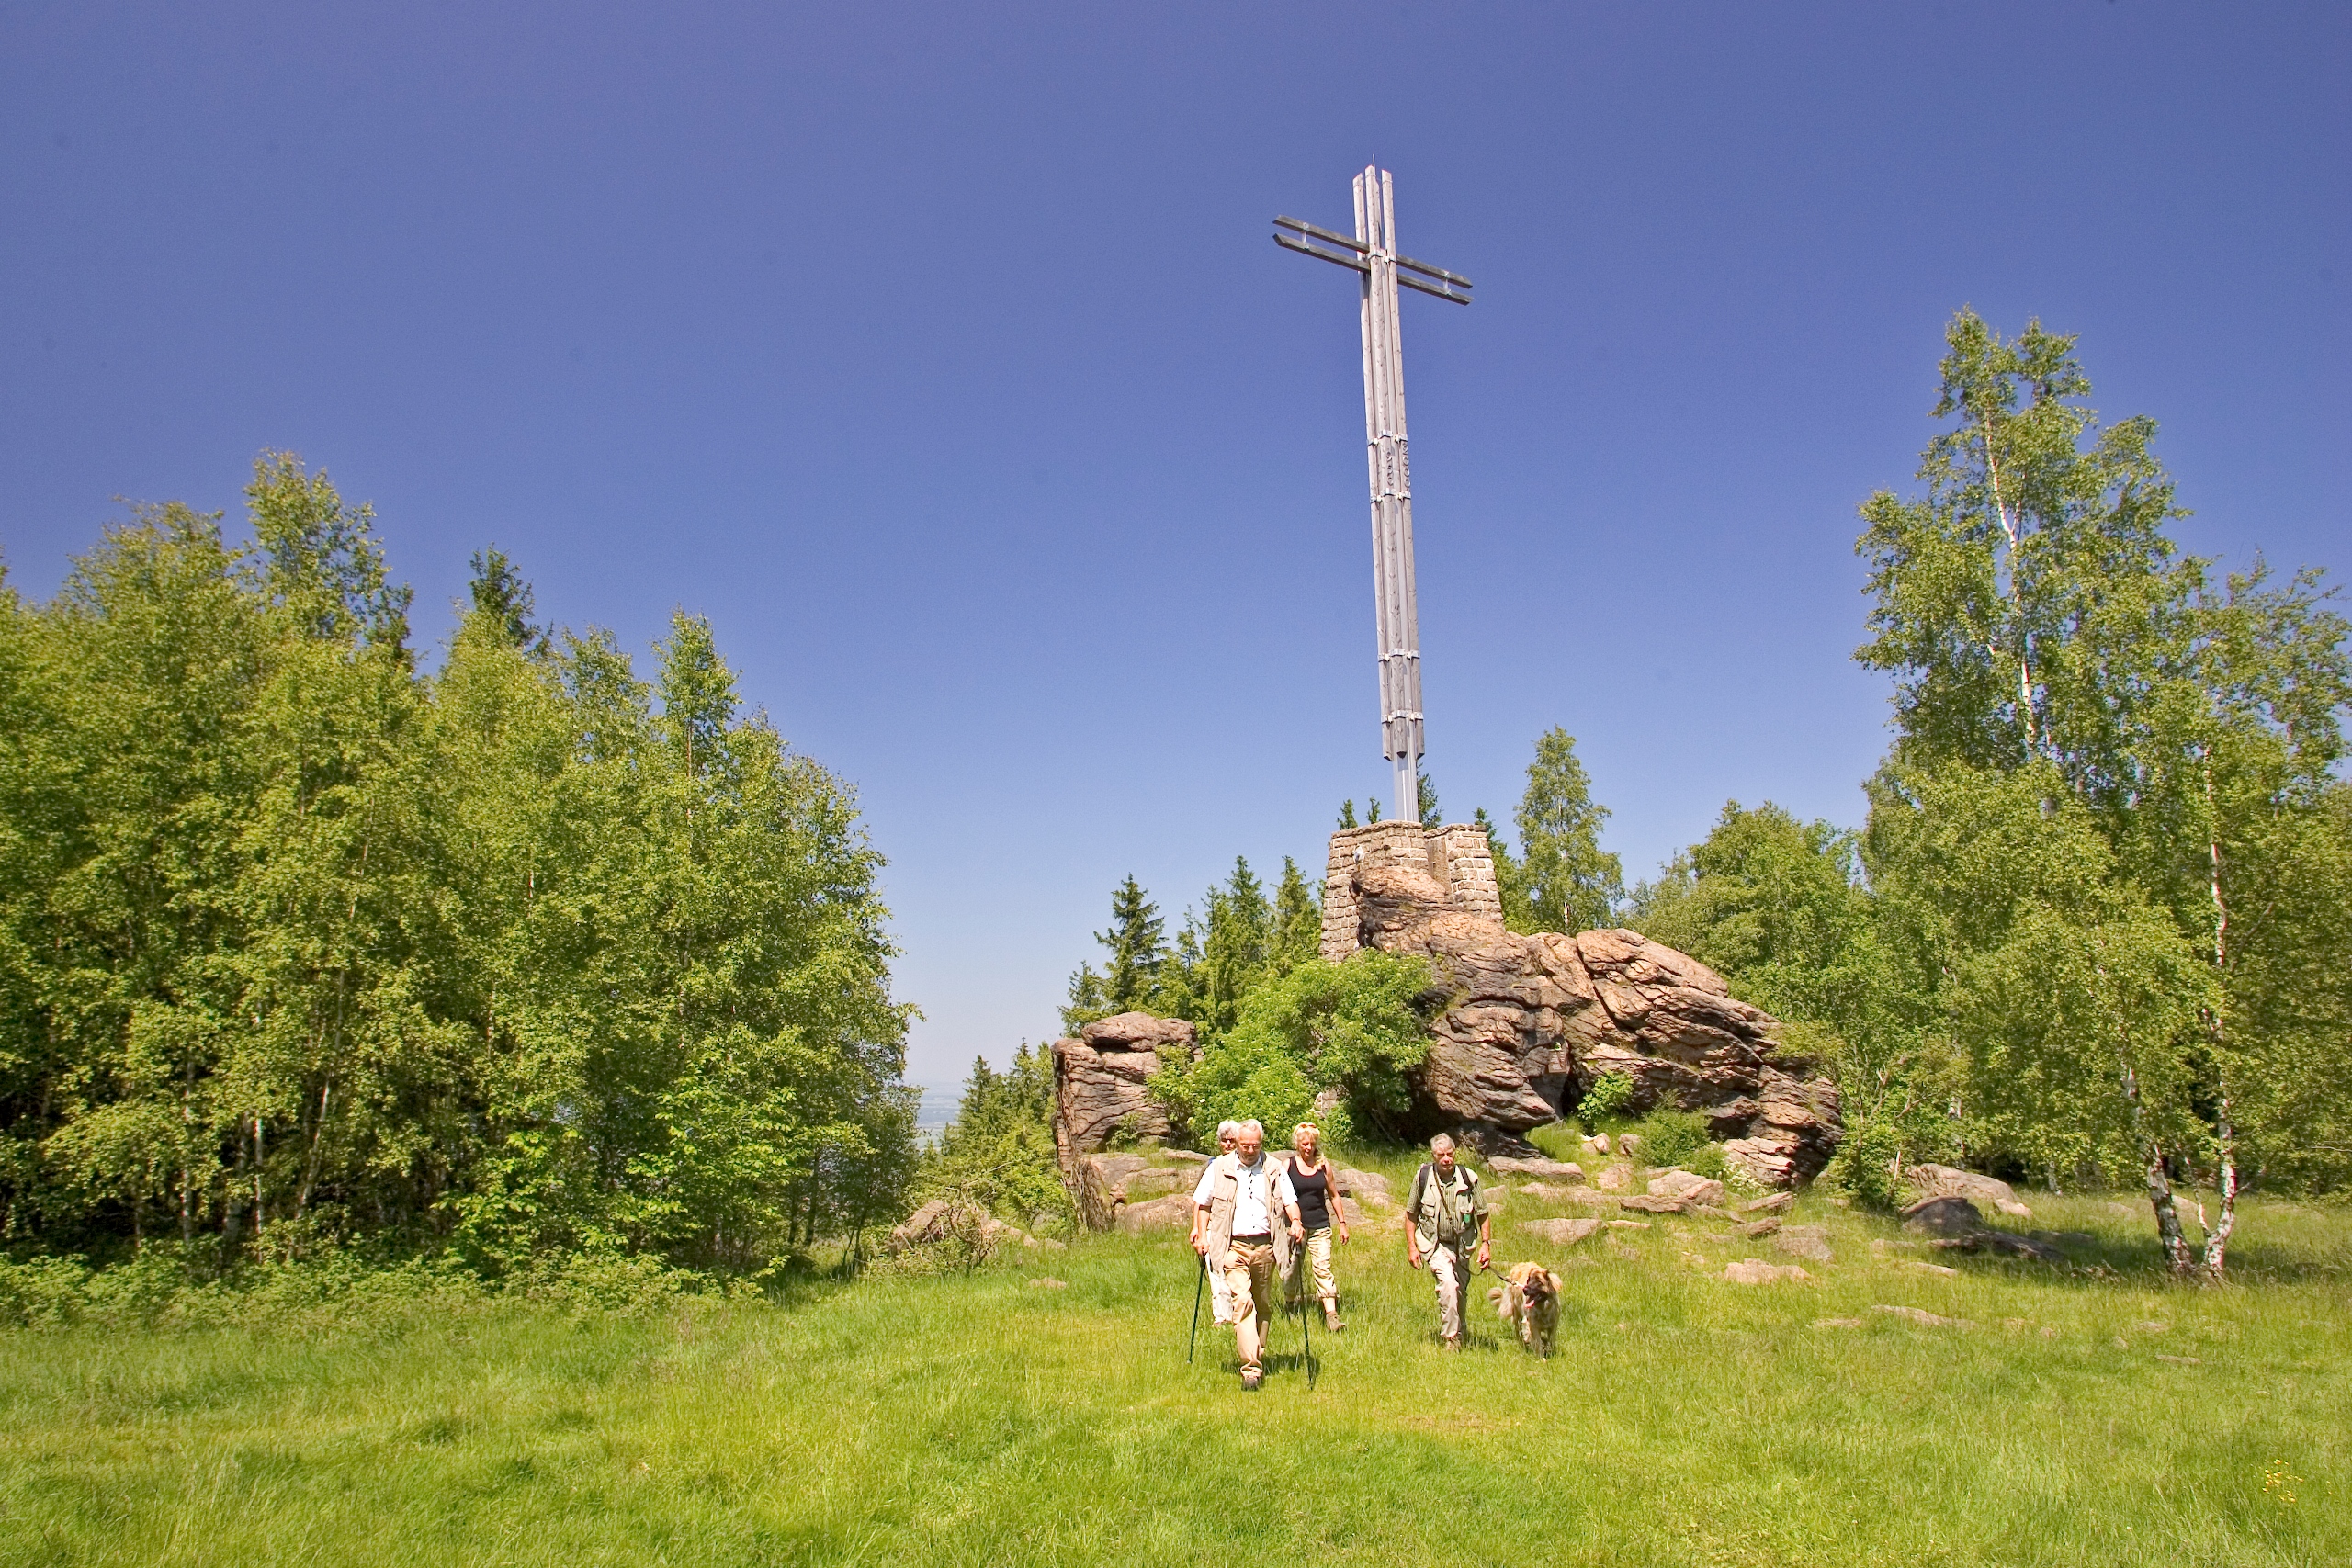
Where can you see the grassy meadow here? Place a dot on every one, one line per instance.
(2087, 1417)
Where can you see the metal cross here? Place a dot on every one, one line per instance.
(1373, 253)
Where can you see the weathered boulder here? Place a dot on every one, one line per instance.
(944, 1220)
(1100, 1083)
(1173, 1212)
(1951, 1181)
(1619, 1177)
(1756, 1271)
(1943, 1217)
(1659, 1204)
(1686, 1184)
(1560, 1232)
(1523, 1024)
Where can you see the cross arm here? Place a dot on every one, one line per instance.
(1436, 280)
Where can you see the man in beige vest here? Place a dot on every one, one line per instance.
(1244, 1222)
(1444, 1213)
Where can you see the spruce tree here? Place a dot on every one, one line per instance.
(1135, 945)
(1298, 920)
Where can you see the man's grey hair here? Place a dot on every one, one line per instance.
(1441, 1144)
(1252, 1125)
(1228, 1129)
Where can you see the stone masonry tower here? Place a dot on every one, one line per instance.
(1456, 858)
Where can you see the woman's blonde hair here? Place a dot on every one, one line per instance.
(1303, 1131)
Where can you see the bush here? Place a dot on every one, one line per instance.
(1350, 1027)
(1863, 1166)
(1610, 1096)
(1676, 1138)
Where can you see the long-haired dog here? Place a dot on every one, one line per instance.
(1530, 1296)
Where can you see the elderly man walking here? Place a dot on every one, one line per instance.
(1444, 1209)
(1240, 1224)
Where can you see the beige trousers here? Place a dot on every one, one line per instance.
(1250, 1282)
(1453, 1273)
(1312, 1261)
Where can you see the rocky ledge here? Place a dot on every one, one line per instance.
(1524, 1023)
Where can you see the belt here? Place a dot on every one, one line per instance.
(1251, 1240)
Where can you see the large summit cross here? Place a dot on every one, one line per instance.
(1373, 253)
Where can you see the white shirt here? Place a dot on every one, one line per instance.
(1253, 1186)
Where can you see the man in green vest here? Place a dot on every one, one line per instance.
(1444, 1211)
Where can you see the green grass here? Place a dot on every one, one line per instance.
(985, 1420)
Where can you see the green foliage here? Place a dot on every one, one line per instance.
(1298, 920)
(300, 943)
(1349, 1028)
(1864, 1167)
(998, 1155)
(1425, 795)
(1570, 884)
(2038, 620)
(1347, 814)
(1610, 1098)
(1679, 1138)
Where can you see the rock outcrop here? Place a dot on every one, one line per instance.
(1527, 1023)
(1099, 1081)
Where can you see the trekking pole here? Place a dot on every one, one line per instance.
(1309, 1335)
(1198, 1281)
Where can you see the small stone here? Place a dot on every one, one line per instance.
(1930, 1267)
(1629, 1144)
(2048, 1332)
(1804, 1241)
(1756, 1271)
(1924, 1318)
(1629, 1225)
(1838, 1322)
(2156, 1327)
(1645, 1204)
(1047, 1283)
(2181, 1361)
(1599, 1144)
(1761, 1227)
(1775, 1204)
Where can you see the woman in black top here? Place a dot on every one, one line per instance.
(1315, 1189)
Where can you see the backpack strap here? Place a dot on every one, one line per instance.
(1420, 1184)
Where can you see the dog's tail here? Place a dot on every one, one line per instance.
(1505, 1307)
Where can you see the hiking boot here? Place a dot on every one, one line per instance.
(1332, 1318)
(1451, 1341)
(1249, 1380)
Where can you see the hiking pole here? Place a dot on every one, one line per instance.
(1309, 1335)
(1198, 1281)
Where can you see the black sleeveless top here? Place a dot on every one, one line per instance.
(1314, 1195)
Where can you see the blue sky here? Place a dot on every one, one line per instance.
(941, 356)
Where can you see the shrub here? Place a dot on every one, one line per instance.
(1610, 1096)
(1863, 1166)
(1350, 1026)
(1674, 1137)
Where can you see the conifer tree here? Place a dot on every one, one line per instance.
(1298, 920)
(1135, 945)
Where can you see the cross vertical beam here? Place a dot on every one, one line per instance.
(1373, 254)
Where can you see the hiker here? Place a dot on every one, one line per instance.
(1446, 1206)
(1240, 1224)
(1315, 1209)
(1220, 1299)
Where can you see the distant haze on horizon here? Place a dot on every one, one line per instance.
(942, 359)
